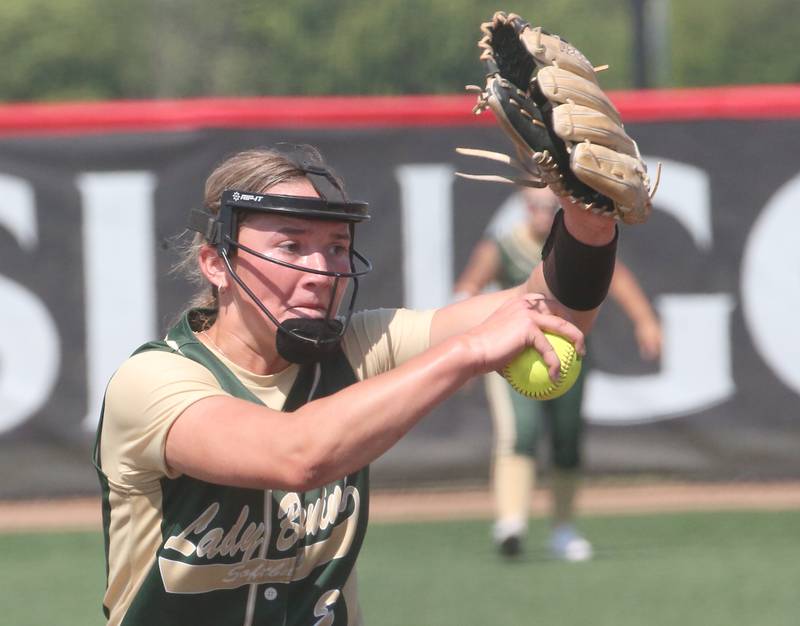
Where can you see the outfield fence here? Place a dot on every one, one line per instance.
(91, 196)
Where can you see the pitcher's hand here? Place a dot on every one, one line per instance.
(518, 324)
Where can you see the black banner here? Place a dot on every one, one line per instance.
(87, 238)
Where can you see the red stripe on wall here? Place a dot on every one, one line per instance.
(743, 102)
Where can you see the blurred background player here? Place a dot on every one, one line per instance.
(510, 248)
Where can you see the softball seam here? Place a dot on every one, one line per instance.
(544, 395)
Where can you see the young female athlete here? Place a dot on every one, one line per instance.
(233, 454)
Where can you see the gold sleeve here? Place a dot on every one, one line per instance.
(143, 399)
(380, 340)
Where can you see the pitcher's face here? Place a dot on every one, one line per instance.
(315, 244)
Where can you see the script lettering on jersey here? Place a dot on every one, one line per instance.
(217, 544)
(297, 522)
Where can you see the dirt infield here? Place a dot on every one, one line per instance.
(84, 513)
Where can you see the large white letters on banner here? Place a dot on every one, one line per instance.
(427, 207)
(685, 193)
(690, 322)
(770, 278)
(118, 234)
(120, 283)
(29, 346)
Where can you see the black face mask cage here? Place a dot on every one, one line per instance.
(305, 340)
(298, 340)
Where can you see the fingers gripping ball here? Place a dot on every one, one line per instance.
(527, 373)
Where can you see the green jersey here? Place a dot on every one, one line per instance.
(236, 556)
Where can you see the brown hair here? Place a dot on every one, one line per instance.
(256, 171)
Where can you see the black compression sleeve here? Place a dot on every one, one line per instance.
(577, 274)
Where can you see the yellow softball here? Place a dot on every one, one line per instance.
(528, 375)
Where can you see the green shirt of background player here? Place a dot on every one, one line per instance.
(233, 454)
(506, 256)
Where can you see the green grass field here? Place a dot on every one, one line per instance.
(708, 569)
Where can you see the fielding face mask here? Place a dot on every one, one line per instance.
(298, 340)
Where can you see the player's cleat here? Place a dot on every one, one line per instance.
(510, 547)
(508, 533)
(567, 545)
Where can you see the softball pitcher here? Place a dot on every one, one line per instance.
(233, 454)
